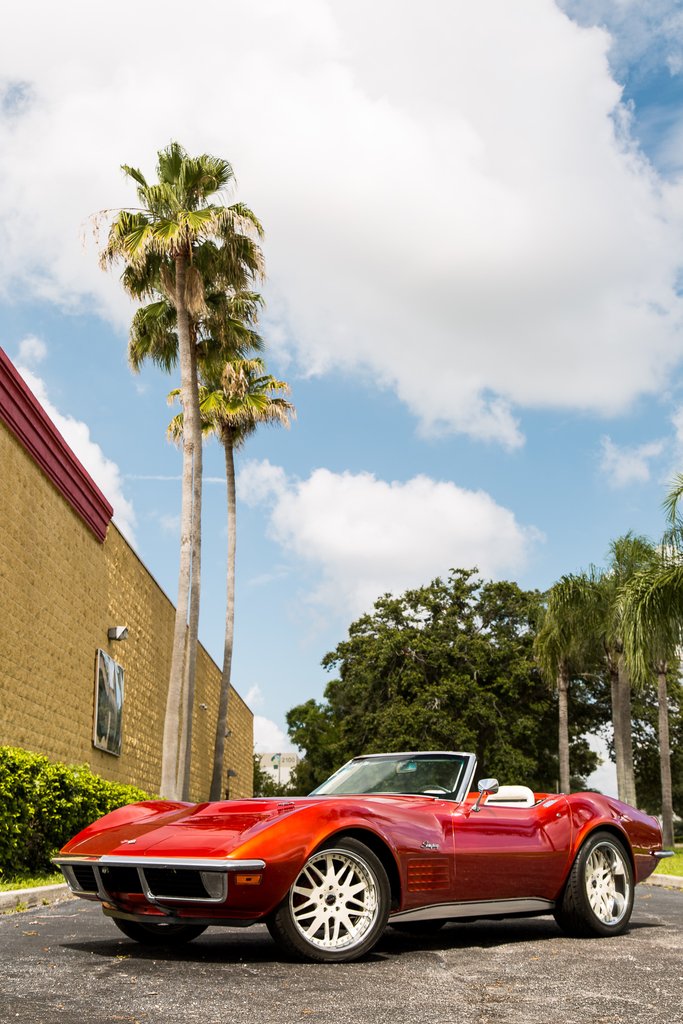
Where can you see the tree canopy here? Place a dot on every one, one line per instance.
(448, 666)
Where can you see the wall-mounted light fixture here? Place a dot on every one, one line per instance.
(118, 632)
(231, 774)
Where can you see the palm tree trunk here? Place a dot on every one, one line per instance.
(169, 787)
(629, 780)
(615, 693)
(222, 723)
(665, 756)
(195, 582)
(563, 716)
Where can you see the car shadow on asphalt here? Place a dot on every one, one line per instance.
(254, 945)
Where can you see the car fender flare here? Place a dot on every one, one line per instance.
(608, 825)
(380, 846)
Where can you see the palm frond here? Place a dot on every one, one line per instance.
(672, 501)
(135, 174)
(653, 617)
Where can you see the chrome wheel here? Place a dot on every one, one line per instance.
(334, 900)
(608, 886)
(338, 905)
(598, 894)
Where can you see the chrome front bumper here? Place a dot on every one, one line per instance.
(202, 881)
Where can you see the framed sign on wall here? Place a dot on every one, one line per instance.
(108, 718)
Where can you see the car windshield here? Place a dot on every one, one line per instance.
(430, 774)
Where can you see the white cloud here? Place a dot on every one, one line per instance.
(268, 736)
(254, 697)
(170, 523)
(364, 537)
(258, 481)
(623, 466)
(103, 470)
(32, 350)
(604, 778)
(480, 235)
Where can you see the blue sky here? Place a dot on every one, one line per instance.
(474, 248)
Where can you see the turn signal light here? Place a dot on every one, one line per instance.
(248, 879)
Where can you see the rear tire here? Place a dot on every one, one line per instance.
(598, 896)
(337, 907)
(158, 934)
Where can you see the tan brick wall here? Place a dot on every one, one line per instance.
(60, 590)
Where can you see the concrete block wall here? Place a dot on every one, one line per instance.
(60, 590)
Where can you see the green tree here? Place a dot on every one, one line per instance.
(565, 649)
(446, 666)
(265, 785)
(647, 710)
(596, 598)
(157, 244)
(233, 404)
(653, 615)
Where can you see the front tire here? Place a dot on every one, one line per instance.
(337, 907)
(158, 934)
(598, 896)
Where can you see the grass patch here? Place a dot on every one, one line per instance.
(30, 881)
(672, 865)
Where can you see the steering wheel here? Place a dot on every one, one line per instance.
(435, 789)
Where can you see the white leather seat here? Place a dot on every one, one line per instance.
(513, 796)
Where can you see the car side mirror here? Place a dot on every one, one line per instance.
(486, 787)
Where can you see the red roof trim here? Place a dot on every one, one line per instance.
(25, 417)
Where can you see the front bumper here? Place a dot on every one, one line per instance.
(162, 882)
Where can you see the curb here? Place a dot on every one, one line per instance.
(36, 897)
(670, 881)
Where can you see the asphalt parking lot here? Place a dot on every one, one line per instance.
(67, 964)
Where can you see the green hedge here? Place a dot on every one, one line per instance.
(44, 803)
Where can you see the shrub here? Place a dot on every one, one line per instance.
(44, 803)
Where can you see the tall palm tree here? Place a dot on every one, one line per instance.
(233, 405)
(563, 648)
(157, 244)
(653, 611)
(653, 616)
(224, 329)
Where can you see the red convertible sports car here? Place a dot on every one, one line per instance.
(389, 839)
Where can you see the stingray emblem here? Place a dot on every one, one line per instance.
(430, 846)
(128, 842)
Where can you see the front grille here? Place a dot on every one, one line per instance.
(85, 876)
(180, 884)
(116, 879)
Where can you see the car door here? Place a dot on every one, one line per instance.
(504, 852)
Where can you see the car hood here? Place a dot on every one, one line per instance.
(209, 830)
(160, 829)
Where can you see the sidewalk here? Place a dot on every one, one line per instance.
(39, 896)
(670, 881)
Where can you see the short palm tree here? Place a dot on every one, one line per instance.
(233, 405)
(597, 598)
(157, 244)
(564, 647)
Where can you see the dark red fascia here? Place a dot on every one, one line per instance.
(25, 417)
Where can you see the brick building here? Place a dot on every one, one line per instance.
(67, 576)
